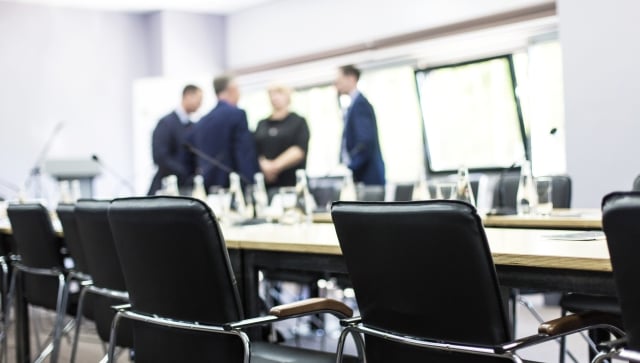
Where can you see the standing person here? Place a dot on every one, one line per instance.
(282, 141)
(223, 134)
(168, 140)
(360, 149)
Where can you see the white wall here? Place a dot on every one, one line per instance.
(288, 28)
(192, 44)
(72, 65)
(602, 92)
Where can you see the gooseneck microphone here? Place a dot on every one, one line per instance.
(222, 166)
(124, 181)
(215, 162)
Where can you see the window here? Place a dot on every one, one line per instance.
(471, 116)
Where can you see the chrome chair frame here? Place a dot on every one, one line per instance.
(53, 348)
(233, 328)
(5, 302)
(619, 353)
(355, 327)
(88, 287)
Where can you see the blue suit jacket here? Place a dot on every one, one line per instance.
(362, 144)
(224, 135)
(169, 153)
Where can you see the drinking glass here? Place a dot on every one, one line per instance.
(544, 187)
(219, 201)
(289, 200)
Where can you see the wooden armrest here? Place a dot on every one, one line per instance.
(312, 305)
(578, 321)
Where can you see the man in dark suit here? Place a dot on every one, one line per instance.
(360, 149)
(168, 140)
(224, 135)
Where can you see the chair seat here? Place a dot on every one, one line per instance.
(273, 353)
(576, 303)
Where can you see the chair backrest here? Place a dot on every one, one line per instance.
(403, 192)
(92, 217)
(36, 241)
(370, 193)
(72, 240)
(103, 264)
(421, 269)
(176, 266)
(506, 190)
(620, 216)
(636, 184)
(38, 247)
(561, 191)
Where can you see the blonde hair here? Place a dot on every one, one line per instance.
(280, 88)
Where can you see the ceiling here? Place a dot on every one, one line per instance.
(201, 6)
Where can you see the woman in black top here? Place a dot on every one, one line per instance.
(282, 141)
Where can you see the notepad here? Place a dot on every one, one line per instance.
(579, 236)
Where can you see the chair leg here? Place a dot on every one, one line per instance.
(4, 300)
(61, 310)
(76, 336)
(341, 342)
(112, 337)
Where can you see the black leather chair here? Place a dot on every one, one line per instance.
(40, 268)
(506, 190)
(620, 215)
(181, 285)
(414, 266)
(370, 193)
(107, 288)
(403, 192)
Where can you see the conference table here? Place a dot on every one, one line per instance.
(536, 258)
(568, 219)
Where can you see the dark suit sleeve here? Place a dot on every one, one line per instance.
(302, 135)
(161, 149)
(244, 148)
(363, 125)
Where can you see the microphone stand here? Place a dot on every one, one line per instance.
(216, 163)
(36, 171)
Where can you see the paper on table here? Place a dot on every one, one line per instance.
(579, 236)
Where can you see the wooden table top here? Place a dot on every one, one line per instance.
(580, 219)
(509, 246)
(518, 247)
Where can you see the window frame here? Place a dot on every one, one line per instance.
(521, 125)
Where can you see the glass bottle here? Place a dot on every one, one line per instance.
(527, 196)
(171, 187)
(348, 191)
(421, 189)
(199, 191)
(463, 187)
(260, 196)
(305, 201)
(237, 196)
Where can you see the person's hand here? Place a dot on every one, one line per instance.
(269, 169)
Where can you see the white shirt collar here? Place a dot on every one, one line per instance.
(182, 115)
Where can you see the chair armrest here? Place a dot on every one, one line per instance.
(299, 308)
(310, 306)
(351, 321)
(121, 307)
(613, 344)
(578, 321)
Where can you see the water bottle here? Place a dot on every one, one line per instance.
(527, 196)
(171, 186)
(463, 187)
(305, 200)
(237, 196)
(260, 196)
(348, 191)
(421, 190)
(199, 192)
